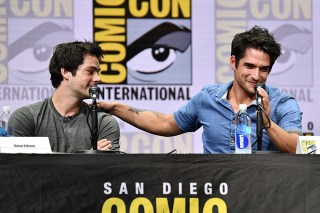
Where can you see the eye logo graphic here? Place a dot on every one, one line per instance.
(288, 35)
(296, 45)
(160, 56)
(29, 55)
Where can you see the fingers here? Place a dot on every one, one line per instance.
(104, 144)
(266, 105)
(99, 104)
(102, 105)
(264, 95)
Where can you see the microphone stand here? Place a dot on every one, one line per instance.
(259, 126)
(94, 91)
(94, 132)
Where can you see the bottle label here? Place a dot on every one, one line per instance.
(242, 140)
(2, 132)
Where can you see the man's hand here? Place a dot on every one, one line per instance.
(104, 144)
(266, 106)
(106, 106)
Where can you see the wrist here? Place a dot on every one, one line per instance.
(267, 124)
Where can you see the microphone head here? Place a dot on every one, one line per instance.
(94, 92)
(259, 85)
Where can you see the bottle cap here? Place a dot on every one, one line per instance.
(243, 107)
(6, 108)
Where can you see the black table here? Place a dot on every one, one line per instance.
(159, 182)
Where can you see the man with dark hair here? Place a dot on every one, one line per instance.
(64, 117)
(215, 107)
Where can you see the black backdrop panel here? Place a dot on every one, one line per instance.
(159, 183)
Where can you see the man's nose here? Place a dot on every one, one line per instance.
(96, 77)
(255, 74)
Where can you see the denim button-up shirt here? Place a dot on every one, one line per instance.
(211, 110)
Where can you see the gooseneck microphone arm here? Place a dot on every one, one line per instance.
(259, 124)
(94, 91)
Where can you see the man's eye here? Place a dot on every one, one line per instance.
(92, 72)
(265, 69)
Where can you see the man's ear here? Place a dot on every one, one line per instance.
(233, 62)
(65, 74)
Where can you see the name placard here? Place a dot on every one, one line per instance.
(308, 145)
(39, 145)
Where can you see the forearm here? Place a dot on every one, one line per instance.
(150, 121)
(286, 142)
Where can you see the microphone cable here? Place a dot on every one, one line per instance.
(269, 122)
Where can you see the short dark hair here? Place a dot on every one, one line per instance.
(257, 38)
(69, 56)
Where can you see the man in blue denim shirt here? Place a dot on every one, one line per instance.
(218, 128)
(214, 108)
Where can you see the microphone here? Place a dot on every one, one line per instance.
(258, 97)
(94, 92)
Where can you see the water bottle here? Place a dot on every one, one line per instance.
(243, 131)
(6, 131)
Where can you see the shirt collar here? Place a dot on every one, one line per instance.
(224, 96)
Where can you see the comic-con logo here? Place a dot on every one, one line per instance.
(144, 42)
